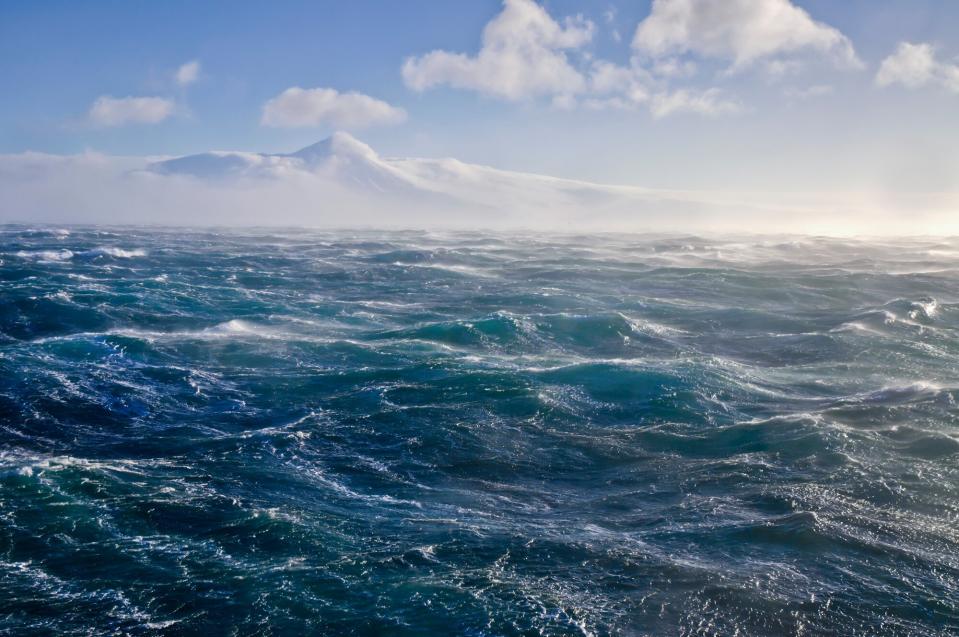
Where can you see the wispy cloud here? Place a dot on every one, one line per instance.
(187, 73)
(111, 111)
(326, 106)
(710, 102)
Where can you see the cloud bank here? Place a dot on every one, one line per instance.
(342, 182)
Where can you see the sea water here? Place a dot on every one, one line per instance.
(407, 433)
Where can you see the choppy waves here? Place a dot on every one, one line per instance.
(477, 434)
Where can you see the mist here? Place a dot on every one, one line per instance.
(341, 182)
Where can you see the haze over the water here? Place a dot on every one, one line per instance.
(672, 115)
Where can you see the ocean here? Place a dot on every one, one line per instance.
(287, 432)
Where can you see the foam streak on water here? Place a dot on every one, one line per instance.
(477, 434)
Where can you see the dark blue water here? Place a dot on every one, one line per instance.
(297, 432)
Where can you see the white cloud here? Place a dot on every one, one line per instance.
(624, 88)
(118, 111)
(674, 67)
(606, 78)
(522, 55)
(616, 87)
(526, 53)
(914, 66)
(326, 106)
(777, 69)
(710, 102)
(742, 31)
(564, 102)
(188, 73)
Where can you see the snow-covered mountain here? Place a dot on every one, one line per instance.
(345, 163)
(340, 156)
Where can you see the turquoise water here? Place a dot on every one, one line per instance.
(295, 432)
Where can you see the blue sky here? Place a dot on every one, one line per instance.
(818, 120)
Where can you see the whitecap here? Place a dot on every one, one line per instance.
(62, 295)
(924, 309)
(894, 394)
(46, 255)
(644, 327)
(117, 253)
(448, 267)
(239, 327)
(386, 304)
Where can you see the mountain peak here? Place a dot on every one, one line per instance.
(339, 144)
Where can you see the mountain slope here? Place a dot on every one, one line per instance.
(351, 164)
(340, 157)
